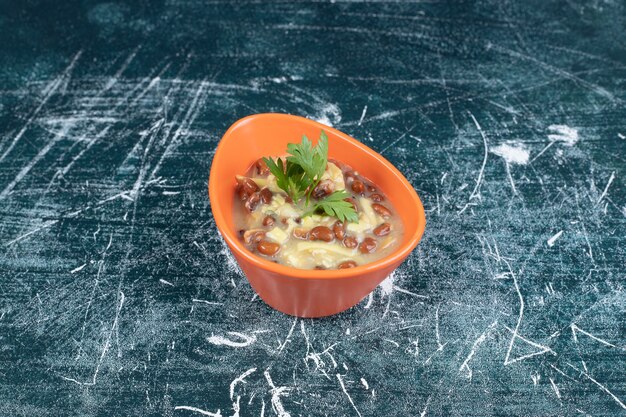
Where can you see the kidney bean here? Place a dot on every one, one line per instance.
(241, 192)
(252, 202)
(347, 264)
(383, 229)
(266, 196)
(300, 234)
(249, 186)
(283, 220)
(377, 198)
(268, 221)
(253, 236)
(267, 248)
(371, 189)
(368, 245)
(350, 174)
(339, 229)
(382, 210)
(261, 167)
(350, 242)
(321, 233)
(288, 200)
(323, 189)
(358, 187)
(353, 202)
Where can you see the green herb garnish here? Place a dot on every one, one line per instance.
(302, 171)
(335, 206)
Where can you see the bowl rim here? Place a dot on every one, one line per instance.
(236, 246)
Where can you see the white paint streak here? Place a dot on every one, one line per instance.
(606, 189)
(512, 153)
(26, 169)
(343, 387)
(602, 387)
(403, 291)
(515, 332)
(328, 114)
(365, 384)
(362, 115)
(241, 378)
(220, 340)
(543, 349)
(277, 392)
(198, 410)
(387, 285)
(563, 133)
(576, 329)
(554, 238)
(48, 92)
(476, 191)
(213, 303)
(105, 347)
(477, 343)
(78, 269)
(24, 236)
(281, 347)
(555, 388)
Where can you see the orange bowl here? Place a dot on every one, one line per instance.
(298, 292)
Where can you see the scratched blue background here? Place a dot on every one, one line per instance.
(118, 298)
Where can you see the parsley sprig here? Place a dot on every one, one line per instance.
(302, 171)
(335, 206)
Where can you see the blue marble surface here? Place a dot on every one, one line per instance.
(118, 298)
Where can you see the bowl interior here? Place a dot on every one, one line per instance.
(268, 134)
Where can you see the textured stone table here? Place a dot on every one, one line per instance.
(119, 298)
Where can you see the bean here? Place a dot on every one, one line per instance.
(323, 189)
(321, 233)
(300, 234)
(351, 174)
(268, 248)
(283, 220)
(241, 192)
(377, 198)
(252, 202)
(339, 229)
(261, 167)
(368, 245)
(266, 196)
(382, 210)
(288, 200)
(358, 187)
(347, 264)
(253, 236)
(353, 202)
(320, 267)
(371, 189)
(249, 186)
(350, 242)
(383, 229)
(268, 221)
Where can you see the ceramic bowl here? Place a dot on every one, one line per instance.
(307, 293)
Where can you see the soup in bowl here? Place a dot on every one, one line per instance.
(292, 261)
